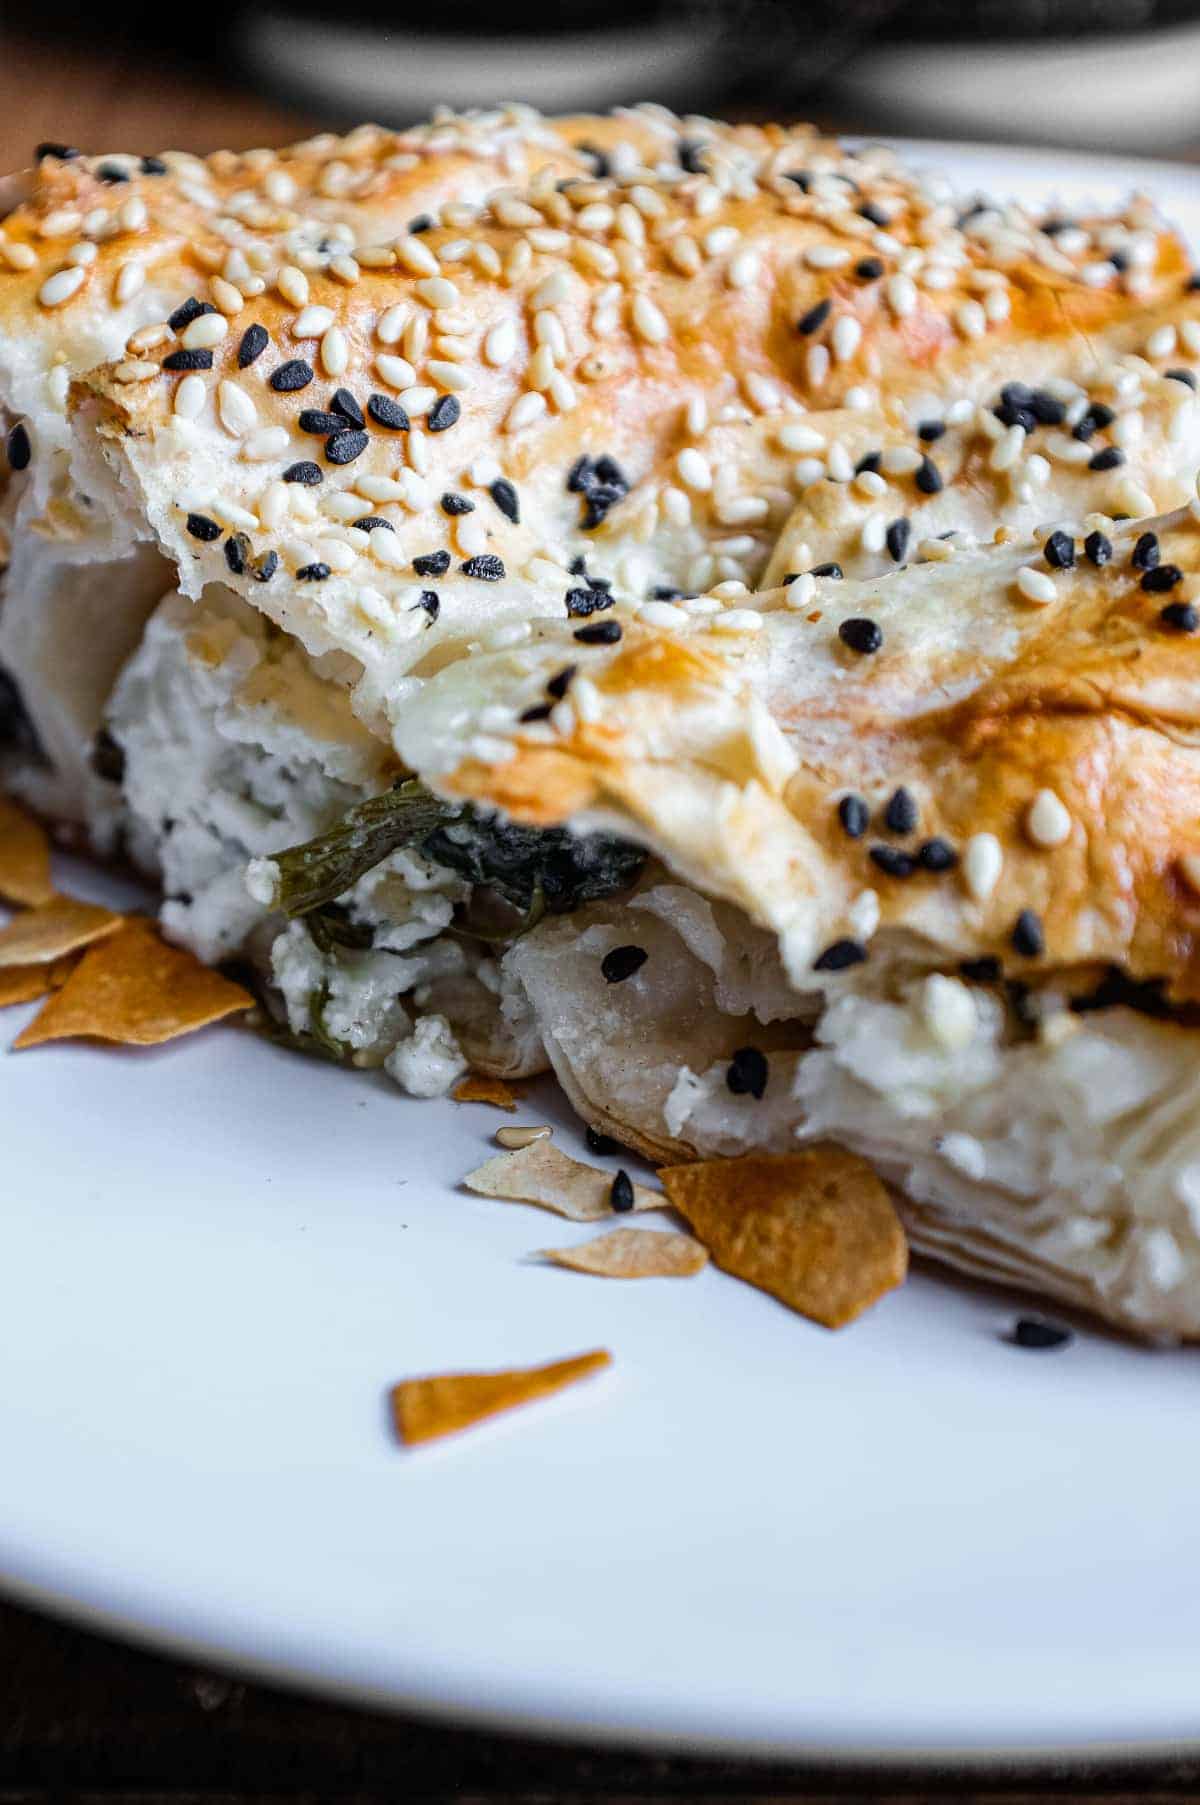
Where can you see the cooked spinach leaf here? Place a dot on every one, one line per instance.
(323, 869)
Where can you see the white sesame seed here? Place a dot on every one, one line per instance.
(796, 436)
(61, 286)
(130, 278)
(335, 352)
(525, 410)
(982, 864)
(737, 620)
(808, 470)
(472, 535)
(132, 215)
(18, 256)
(826, 256)
(501, 343)
(816, 365)
(418, 450)
(901, 295)
(83, 253)
(744, 269)
(845, 337)
(971, 319)
(648, 320)
(553, 289)
(1189, 332)
(1007, 450)
(870, 483)
(1047, 820)
(839, 463)
(448, 375)
(418, 399)
(1162, 342)
(60, 223)
(228, 298)
(948, 1011)
(416, 257)
(189, 398)
(997, 306)
(390, 325)
(397, 372)
(694, 469)
(261, 447)
(311, 322)
(900, 460)
(740, 509)
(135, 370)
(274, 505)
(202, 333)
(662, 614)
(800, 594)
(438, 291)
(1036, 585)
(292, 284)
(237, 411)
(548, 330)
(387, 549)
(378, 488)
(873, 533)
(678, 507)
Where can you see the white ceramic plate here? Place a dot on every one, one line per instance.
(907, 1538)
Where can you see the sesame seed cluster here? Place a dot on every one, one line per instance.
(647, 385)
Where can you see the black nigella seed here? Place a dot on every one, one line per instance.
(1119, 261)
(201, 527)
(506, 499)
(815, 318)
(897, 537)
(929, 478)
(871, 461)
(747, 1073)
(1027, 936)
(431, 601)
(620, 962)
(386, 412)
(892, 862)
(342, 402)
(453, 503)
(560, 683)
(936, 855)
(827, 570)
(254, 342)
(541, 711)
(1189, 287)
(112, 173)
(984, 970)
(18, 447)
(153, 166)
(1181, 616)
(265, 567)
(1099, 549)
(292, 375)
(108, 757)
(1036, 1333)
(62, 153)
(188, 360)
(1059, 551)
(444, 413)
(901, 814)
(801, 178)
(869, 269)
(587, 601)
(432, 564)
(601, 166)
(312, 573)
(420, 222)
(187, 311)
(1187, 377)
(600, 633)
(317, 421)
(487, 568)
(929, 430)
(1146, 552)
(690, 152)
(602, 1144)
(854, 816)
(303, 472)
(1162, 578)
(874, 215)
(1108, 459)
(578, 474)
(861, 634)
(840, 956)
(621, 1194)
(346, 445)
(368, 522)
(237, 552)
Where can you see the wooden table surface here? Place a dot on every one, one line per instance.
(80, 1715)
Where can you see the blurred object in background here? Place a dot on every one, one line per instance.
(1106, 74)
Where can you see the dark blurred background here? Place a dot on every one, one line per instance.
(1103, 74)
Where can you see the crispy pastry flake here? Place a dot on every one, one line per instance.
(24, 857)
(53, 929)
(542, 1173)
(443, 1403)
(135, 989)
(24, 983)
(633, 1253)
(815, 1228)
(476, 1087)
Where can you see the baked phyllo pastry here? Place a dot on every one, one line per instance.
(697, 607)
